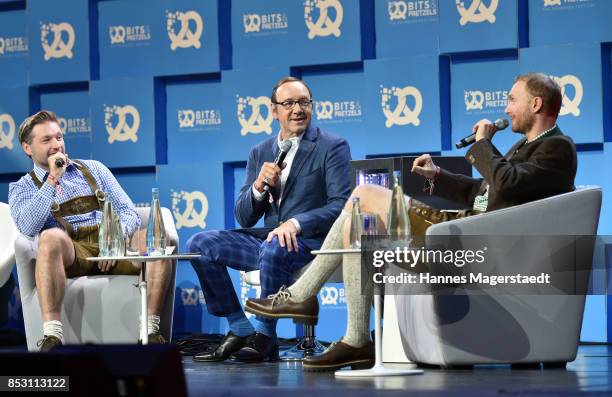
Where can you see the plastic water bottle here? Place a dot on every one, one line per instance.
(398, 221)
(356, 225)
(156, 232)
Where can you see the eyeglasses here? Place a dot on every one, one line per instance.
(290, 103)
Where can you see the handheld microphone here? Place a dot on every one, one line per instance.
(282, 153)
(59, 163)
(500, 124)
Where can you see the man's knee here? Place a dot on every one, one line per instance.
(203, 243)
(272, 254)
(53, 240)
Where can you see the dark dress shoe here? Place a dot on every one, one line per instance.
(258, 348)
(280, 305)
(230, 343)
(48, 343)
(339, 355)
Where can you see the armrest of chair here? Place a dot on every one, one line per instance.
(26, 250)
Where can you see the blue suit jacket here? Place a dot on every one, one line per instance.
(314, 194)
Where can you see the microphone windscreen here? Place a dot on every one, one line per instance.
(285, 145)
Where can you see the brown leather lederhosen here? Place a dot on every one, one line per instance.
(85, 238)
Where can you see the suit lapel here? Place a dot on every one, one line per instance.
(304, 151)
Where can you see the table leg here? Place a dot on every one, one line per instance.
(144, 334)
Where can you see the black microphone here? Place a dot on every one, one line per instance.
(59, 162)
(282, 153)
(500, 124)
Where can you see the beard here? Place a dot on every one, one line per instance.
(521, 126)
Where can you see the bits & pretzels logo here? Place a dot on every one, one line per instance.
(265, 23)
(13, 46)
(324, 25)
(570, 105)
(122, 123)
(186, 36)
(194, 209)
(256, 123)
(485, 101)
(122, 35)
(477, 11)
(402, 114)
(198, 119)
(338, 110)
(404, 10)
(7, 131)
(550, 3)
(74, 124)
(54, 44)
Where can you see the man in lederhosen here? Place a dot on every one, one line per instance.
(61, 206)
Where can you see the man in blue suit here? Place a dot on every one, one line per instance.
(299, 201)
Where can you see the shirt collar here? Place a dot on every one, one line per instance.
(41, 174)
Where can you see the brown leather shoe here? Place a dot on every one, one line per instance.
(339, 355)
(280, 305)
(48, 343)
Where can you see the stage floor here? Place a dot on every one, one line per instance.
(589, 373)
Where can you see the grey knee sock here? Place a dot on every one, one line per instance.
(323, 266)
(358, 301)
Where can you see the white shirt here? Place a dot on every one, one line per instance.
(295, 144)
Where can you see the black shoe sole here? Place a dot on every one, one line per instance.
(357, 364)
(297, 318)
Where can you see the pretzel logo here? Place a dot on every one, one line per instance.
(402, 114)
(477, 11)
(7, 131)
(116, 34)
(550, 3)
(324, 110)
(473, 100)
(570, 106)
(397, 10)
(2, 46)
(186, 37)
(58, 47)
(122, 131)
(189, 296)
(324, 26)
(329, 296)
(256, 123)
(251, 22)
(186, 118)
(190, 216)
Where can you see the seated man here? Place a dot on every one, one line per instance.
(61, 202)
(298, 200)
(541, 164)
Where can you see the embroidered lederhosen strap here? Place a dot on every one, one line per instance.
(77, 205)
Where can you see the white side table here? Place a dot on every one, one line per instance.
(142, 285)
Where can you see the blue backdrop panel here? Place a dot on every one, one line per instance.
(137, 186)
(563, 21)
(581, 115)
(188, 36)
(262, 33)
(480, 90)
(14, 106)
(123, 122)
(196, 202)
(338, 106)
(474, 25)
(246, 105)
(406, 27)
(403, 105)
(4, 191)
(194, 122)
(325, 32)
(72, 109)
(128, 43)
(58, 33)
(13, 49)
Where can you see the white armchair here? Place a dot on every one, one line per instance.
(96, 309)
(496, 328)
